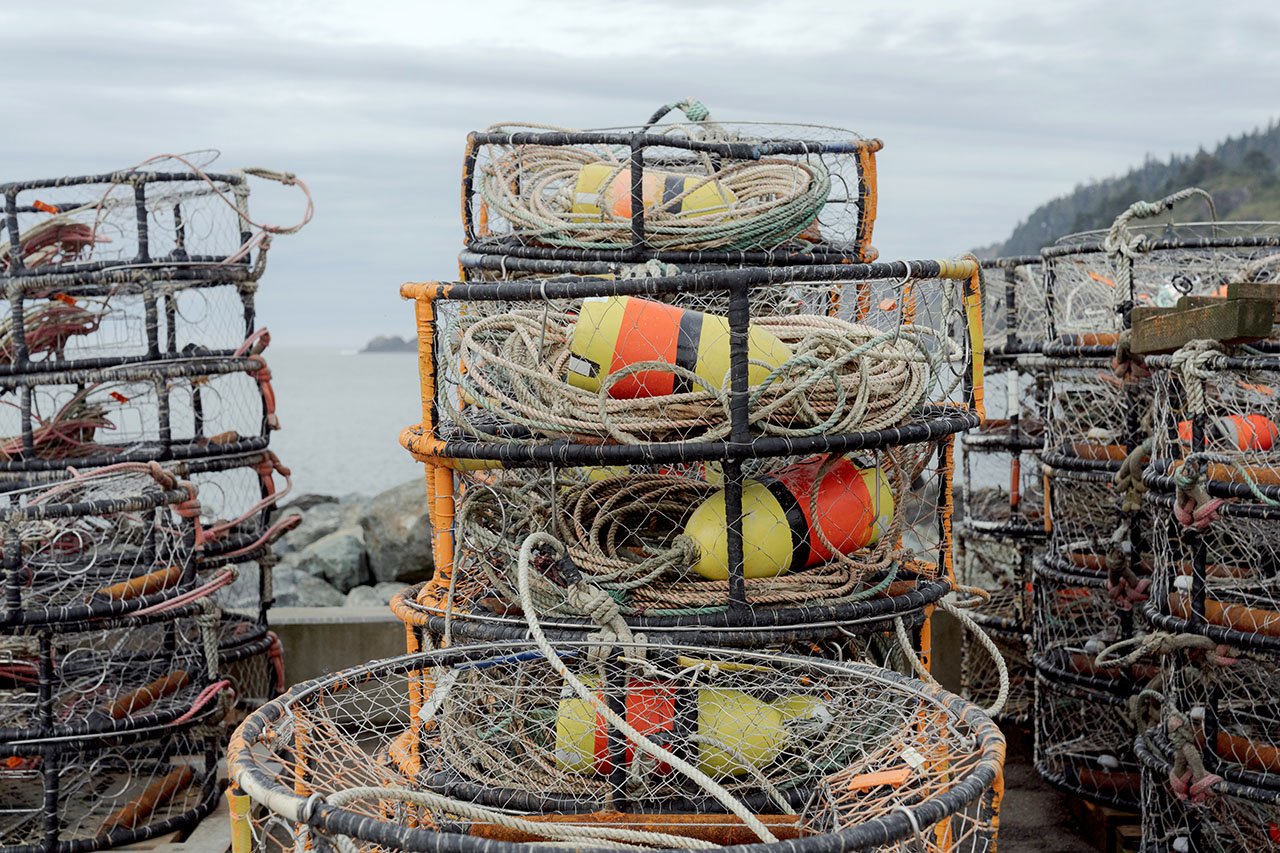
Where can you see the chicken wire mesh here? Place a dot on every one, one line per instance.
(675, 190)
(1220, 816)
(980, 677)
(502, 745)
(89, 794)
(1014, 311)
(162, 410)
(1084, 742)
(821, 531)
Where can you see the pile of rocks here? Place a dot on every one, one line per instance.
(354, 550)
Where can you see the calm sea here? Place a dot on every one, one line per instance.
(341, 414)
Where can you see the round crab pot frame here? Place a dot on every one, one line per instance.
(1220, 580)
(980, 679)
(1226, 698)
(1084, 742)
(1092, 416)
(106, 543)
(607, 360)
(1092, 526)
(749, 193)
(1224, 816)
(654, 537)
(758, 749)
(165, 411)
(82, 679)
(466, 428)
(1076, 616)
(91, 325)
(1000, 565)
(74, 795)
(251, 657)
(238, 494)
(1094, 279)
(1014, 312)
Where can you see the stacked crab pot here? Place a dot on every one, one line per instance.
(137, 485)
(999, 527)
(1110, 587)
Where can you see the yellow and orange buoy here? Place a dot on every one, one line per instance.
(855, 507)
(614, 332)
(602, 189)
(755, 732)
(1241, 432)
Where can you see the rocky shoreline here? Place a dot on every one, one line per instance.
(355, 550)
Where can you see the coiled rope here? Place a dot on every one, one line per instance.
(842, 377)
(766, 202)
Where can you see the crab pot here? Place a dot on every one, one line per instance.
(1220, 580)
(102, 544)
(108, 791)
(90, 325)
(980, 680)
(1091, 291)
(1231, 815)
(724, 422)
(759, 749)
(1225, 698)
(678, 192)
(1014, 311)
(1084, 742)
(251, 657)
(1077, 615)
(91, 678)
(1090, 532)
(166, 411)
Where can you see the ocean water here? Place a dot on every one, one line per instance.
(341, 414)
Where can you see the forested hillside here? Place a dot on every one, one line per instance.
(1241, 173)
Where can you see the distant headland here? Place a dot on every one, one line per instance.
(390, 343)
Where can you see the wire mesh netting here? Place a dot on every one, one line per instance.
(824, 357)
(690, 186)
(827, 530)
(163, 410)
(105, 675)
(1181, 813)
(980, 677)
(96, 325)
(103, 543)
(1077, 616)
(89, 794)
(1094, 277)
(1015, 316)
(500, 745)
(1084, 742)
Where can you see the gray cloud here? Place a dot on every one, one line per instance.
(986, 109)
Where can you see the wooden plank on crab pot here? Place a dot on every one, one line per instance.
(1106, 828)
(1158, 330)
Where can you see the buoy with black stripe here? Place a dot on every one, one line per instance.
(616, 331)
(1239, 432)
(855, 507)
(602, 188)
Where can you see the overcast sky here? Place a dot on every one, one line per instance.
(987, 109)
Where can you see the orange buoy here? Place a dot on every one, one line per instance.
(617, 331)
(855, 507)
(1243, 432)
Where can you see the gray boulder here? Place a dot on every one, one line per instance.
(295, 589)
(303, 503)
(397, 534)
(339, 558)
(379, 595)
(317, 522)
